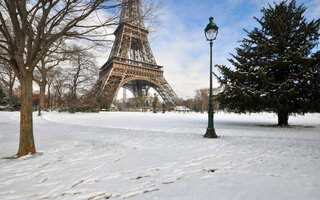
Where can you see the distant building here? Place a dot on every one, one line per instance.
(181, 109)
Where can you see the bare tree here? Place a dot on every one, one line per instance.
(56, 54)
(59, 82)
(81, 76)
(8, 79)
(50, 79)
(150, 12)
(28, 29)
(1, 95)
(202, 96)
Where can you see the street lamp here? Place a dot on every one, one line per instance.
(39, 109)
(211, 32)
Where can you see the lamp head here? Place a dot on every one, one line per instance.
(211, 31)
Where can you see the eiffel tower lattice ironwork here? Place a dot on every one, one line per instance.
(131, 63)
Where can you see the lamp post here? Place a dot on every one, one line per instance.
(39, 109)
(211, 32)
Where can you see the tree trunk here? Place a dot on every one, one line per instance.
(49, 96)
(59, 101)
(11, 84)
(43, 90)
(26, 144)
(42, 95)
(203, 104)
(283, 117)
(10, 95)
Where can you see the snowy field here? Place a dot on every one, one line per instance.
(146, 156)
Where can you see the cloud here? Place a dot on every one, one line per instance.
(180, 51)
(313, 10)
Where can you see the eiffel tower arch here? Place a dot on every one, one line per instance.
(131, 63)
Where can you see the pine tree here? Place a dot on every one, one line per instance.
(155, 103)
(274, 68)
(164, 107)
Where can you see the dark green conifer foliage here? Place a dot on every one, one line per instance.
(274, 67)
(164, 107)
(155, 103)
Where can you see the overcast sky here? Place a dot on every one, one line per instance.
(180, 45)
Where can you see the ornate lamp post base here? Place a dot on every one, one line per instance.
(211, 133)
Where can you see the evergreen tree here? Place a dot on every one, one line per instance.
(155, 103)
(274, 69)
(164, 107)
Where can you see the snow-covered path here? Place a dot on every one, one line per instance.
(162, 156)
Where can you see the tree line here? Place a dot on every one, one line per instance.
(62, 81)
(198, 103)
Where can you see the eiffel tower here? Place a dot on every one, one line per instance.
(131, 63)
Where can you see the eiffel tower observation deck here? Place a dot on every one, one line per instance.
(131, 63)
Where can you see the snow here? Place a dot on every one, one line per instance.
(122, 155)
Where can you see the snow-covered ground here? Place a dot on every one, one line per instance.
(118, 155)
